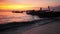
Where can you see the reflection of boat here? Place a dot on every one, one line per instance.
(17, 11)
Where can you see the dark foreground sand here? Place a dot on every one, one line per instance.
(52, 28)
(49, 28)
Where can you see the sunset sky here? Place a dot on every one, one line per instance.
(27, 4)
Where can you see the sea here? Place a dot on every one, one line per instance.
(8, 16)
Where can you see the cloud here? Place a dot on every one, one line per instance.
(1, 0)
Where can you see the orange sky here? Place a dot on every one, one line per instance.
(26, 4)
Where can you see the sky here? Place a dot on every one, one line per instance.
(27, 4)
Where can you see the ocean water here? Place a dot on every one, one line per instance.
(6, 17)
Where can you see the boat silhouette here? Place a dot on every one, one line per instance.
(17, 11)
(44, 13)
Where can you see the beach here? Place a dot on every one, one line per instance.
(47, 26)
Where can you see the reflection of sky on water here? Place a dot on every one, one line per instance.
(15, 17)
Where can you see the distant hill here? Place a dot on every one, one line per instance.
(57, 8)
